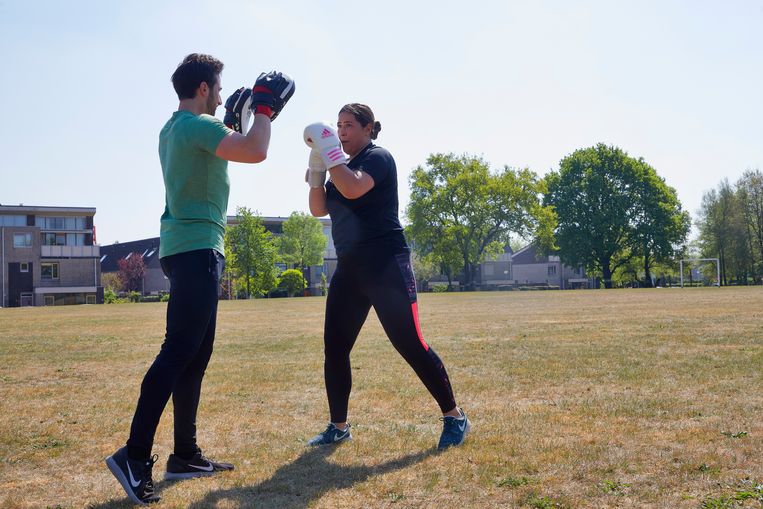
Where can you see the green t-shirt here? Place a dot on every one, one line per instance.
(196, 184)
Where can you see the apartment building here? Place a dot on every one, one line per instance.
(48, 256)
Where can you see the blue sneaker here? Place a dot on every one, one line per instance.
(454, 430)
(134, 476)
(332, 435)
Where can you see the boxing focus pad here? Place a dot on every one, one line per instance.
(238, 110)
(271, 92)
(321, 137)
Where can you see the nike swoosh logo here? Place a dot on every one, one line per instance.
(462, 426)
(133, 482)
(207, 468)
(337, 438)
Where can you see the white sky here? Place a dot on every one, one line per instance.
(522, 83)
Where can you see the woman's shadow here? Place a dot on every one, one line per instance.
(296, 484)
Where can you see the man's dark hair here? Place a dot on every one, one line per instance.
(192, 71)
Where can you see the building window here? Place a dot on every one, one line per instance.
(48, 271)
(61, 223)
(50, 300)
(90, 299)
(23, 267)
(552, 270)
(22, 240)
(12, 220)
(63, 239)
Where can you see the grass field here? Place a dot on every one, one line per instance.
(620, 398)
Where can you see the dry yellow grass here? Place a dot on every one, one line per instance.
(623, 398)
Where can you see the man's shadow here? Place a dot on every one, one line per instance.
(294, 485)
(297, 484)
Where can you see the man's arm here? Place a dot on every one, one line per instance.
(252, 148)
(266, 99)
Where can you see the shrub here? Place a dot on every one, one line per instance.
(110, 296)
(292, 281)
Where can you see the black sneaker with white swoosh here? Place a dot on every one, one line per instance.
(198, 466)
(134, 476)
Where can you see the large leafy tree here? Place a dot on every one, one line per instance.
(251, 254)
(611, 208)
(303, 241)
(660, 226)
(459, 209)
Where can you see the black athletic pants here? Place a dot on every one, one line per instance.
(386, 282)
(179, 368)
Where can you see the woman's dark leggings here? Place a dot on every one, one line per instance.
(179, 368)
(386, 282)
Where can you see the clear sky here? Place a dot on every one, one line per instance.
(521, 83)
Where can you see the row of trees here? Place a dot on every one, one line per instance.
(252, 253)
(603, 210)
(254, 257)
(730, 227)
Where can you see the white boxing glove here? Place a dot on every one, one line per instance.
(321, 137)
(316, 170)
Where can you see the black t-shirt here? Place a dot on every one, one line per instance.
(368, 222)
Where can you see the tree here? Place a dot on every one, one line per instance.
(303, 241)
(459, 209)
(750, 192)
(131, 272)
(611, 208)
(424, 269)
(111, 280)
(251, 254)
(660, 225)
(725, 231)
(292, 281)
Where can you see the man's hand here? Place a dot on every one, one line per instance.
(271, 92)
(238, 110)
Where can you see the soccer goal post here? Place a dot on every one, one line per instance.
(701, 260)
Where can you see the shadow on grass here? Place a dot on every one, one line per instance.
(294, 485)
(297, 484)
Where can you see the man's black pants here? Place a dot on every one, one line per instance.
(179, 368)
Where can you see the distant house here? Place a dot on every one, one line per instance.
(48, 256)
(525, 268)
(531, 268)
(154, 282)
(496, 271)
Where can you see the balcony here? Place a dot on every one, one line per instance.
(71, 251)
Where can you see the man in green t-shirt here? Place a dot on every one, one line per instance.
(194, 150)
